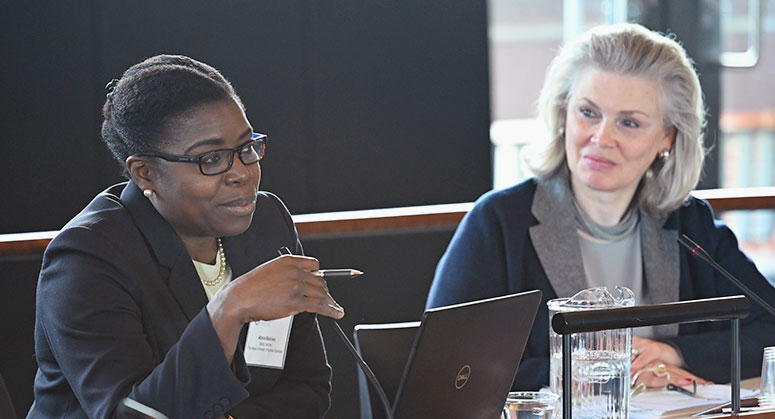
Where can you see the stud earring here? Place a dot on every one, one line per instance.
(663, 155)
(148, 192)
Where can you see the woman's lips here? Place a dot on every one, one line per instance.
(241, 206)
(598, 163)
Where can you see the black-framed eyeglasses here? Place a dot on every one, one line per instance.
(220, 161)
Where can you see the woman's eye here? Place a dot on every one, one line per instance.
(587, 112)
(211, 158)
(629, 123)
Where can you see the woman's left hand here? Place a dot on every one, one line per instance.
(647, 352)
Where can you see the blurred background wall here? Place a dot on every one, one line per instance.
(367, 104)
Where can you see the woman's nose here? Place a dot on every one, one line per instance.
(239, 171)
(604, 135)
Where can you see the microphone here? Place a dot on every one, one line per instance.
(699, 252)
(365, 367)
(354, 352)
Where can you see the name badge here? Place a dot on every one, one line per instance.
(267, 343)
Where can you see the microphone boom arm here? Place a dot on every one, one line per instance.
(699, 252)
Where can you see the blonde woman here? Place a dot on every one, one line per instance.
(611, 195)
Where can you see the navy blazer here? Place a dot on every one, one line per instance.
(492, 254)
(120, 312)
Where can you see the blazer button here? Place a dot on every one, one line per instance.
(225, 401)
(218, 408)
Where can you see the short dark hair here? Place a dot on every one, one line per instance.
(140, 105)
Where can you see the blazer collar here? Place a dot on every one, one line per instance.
(183, 280)
(554, 237)
(556, 242)
(661, 265)
(238, 255)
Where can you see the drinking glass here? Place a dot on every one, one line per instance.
(530, 405)
(767, 392)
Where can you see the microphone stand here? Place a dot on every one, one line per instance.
(699, 252)
(365, 367)
(354, 352)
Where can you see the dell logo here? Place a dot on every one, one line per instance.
(462, 377)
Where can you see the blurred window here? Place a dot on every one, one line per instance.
(747, 125)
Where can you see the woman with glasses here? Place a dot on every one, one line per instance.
(152, 293)
(625, 115)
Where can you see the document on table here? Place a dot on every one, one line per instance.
(669, 404)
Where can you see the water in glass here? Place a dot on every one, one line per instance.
(601, 360)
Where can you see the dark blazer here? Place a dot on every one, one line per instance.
(493, 252)
(120, 312)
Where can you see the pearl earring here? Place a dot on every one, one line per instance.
(148, 192)
(663, 155)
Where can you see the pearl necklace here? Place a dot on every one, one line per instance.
(221, 256)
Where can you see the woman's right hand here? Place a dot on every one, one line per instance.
(279, 288)
(282, 287)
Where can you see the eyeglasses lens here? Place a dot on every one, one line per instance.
(252, 152)
(220, 161)
(215, 162)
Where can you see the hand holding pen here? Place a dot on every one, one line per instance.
(278, 288)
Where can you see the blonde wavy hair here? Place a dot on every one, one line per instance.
(631, 49)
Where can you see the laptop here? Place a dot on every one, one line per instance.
(464, 358)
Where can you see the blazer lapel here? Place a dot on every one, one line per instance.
(237, 255)
(661, 269)
(171, 255)
(555, 239)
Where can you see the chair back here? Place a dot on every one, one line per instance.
(385, 348)
(6, 405)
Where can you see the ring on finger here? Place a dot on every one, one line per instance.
(659, 370)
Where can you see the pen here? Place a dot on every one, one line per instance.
(673, 387)
(338, 273)
(327, 273)
(748, 402)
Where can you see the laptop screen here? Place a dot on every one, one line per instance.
(465, 357)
